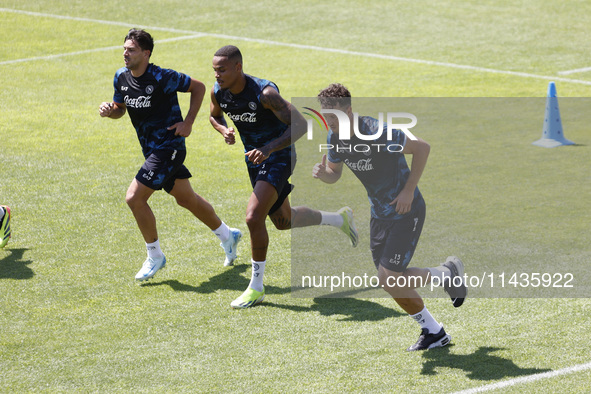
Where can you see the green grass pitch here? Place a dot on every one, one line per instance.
(72, 319)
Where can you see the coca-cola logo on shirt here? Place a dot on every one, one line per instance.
(248, 117)
(360, 165)
(138, 102)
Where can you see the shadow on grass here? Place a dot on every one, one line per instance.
(230, 279)
(480, 365)
(352, 309)
(14, 266)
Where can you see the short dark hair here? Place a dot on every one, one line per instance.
(231, 52)
(335, 95)
(142, 38)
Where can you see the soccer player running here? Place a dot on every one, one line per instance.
(397, 211)
(263, 119)
(149, 94)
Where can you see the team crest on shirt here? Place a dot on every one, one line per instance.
(149, 89)
(252, 105)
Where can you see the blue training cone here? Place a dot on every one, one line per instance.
(553, 134)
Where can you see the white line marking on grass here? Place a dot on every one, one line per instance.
(104, 22)
(312, 47)
(405, 59)
(528, 379)
(48, 57)
(56, 56)
(577, 70)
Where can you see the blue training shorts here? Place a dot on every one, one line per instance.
(393, 242)
(277, 174)
(162, 168)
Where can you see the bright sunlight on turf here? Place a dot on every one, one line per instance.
(72, 318)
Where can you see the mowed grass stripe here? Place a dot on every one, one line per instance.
(316, 48)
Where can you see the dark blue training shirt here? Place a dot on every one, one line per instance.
(383, 173)
(257, 126)
(153, 106)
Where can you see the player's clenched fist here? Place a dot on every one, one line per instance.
(105, 109)
(230, 136)
(319, 169)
